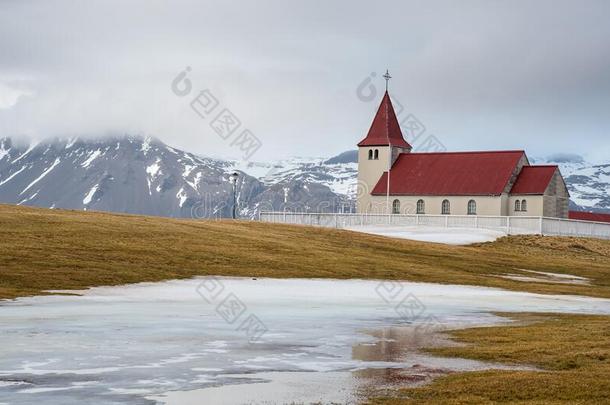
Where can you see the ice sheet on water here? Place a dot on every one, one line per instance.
(115, 343)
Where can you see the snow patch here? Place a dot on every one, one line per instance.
(3, 152)
(181, 195)
(172, 150)
(12, 383)
(29, 198)
(585, 201)
(90, 195)
(187, 170)
(153, 169)
(71, 142)
(449, 236)
(146, 145)
(41, 176)
(546, 277)
(30, 148)
(45, 389)
(94, 155)
(196, 181)
(12, 175)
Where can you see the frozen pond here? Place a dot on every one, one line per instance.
(236, 340)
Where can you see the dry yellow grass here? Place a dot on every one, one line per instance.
(44, 249)
(573, 352)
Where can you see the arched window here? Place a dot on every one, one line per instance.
(376, 154)
(421, 207)
(370, 154)
(472, 207)
(396, 207)
(523, 205)
(445, 207)
(517, 205)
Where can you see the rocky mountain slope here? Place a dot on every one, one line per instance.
(142, 176)
(589, 184)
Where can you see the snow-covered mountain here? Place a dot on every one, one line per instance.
(588, 183)
(338, 173)
(139, 175)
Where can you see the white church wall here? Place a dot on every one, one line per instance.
(535, 205)
(369, 172)
(486, 205)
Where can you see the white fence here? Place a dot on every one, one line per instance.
(509, 225)
(570, 227)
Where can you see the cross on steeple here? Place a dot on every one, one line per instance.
(387, 78)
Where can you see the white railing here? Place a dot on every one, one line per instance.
(509, 225)
(571, 227)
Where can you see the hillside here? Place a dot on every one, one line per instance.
(43, 249)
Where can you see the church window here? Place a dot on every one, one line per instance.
(517, 205)
(421, 207)
(445, 207)
(370, 154)
(524, 205)
(472, 207)
(376, 154)
(396, 207)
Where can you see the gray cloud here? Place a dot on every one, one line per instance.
(479, 74)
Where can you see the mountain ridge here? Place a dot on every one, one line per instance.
(138, 175)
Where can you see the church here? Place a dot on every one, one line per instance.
(392, 178)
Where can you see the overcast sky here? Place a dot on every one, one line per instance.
(479, 75)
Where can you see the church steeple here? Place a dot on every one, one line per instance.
(377, 153)
(385, 130)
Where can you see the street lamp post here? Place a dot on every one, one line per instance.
(233, 179)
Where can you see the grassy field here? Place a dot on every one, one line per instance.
(54, 249)
(44, 249)
(572, 351)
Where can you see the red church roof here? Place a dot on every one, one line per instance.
(589, 216)
(385, 129)
(450, 173)
(533, 179)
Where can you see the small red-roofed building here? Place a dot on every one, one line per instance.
(589, 216)
(392, 178)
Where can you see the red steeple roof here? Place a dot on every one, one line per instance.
(385, 129)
